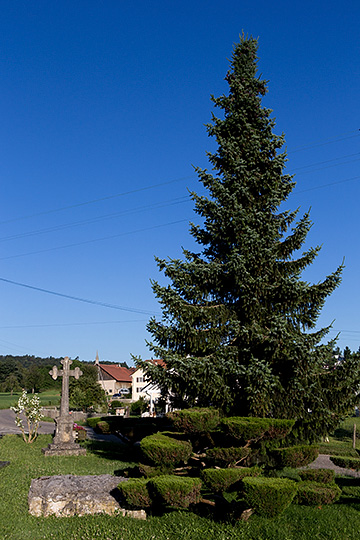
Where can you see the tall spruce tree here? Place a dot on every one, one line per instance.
(238, 325)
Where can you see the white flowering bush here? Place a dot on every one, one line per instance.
(30, 408)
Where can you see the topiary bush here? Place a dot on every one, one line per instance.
(269, 496)
(220, 480)
(175, 491)
(224, 457)
(322, 476)
(195, 420)
(91, 422)
(161, 450)
(346, 462)
(249, 428)
(135, 492)
(150, 472)
(103, 427)
(295, 456)
(316, 493)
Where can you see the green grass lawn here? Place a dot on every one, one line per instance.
(47, 398)
(338, 522)
(341, 441)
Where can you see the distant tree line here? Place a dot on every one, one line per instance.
(27, 372)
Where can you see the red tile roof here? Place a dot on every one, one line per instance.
(120, 374)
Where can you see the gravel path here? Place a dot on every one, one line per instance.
(324, 462)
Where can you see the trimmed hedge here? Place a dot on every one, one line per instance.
(223, 457)
(269, 497)
(91, 422)
(248, 428)
(150, 472)
(346, 462)
(316, 493)
(220, 480)
(163, 451)
(103, 427)
(175, 491)
(196, 420)
(135, 492)
(296, 456)
(322, 476)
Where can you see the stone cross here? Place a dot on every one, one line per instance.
(65, 373)
(63, 442)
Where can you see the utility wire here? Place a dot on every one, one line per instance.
(93, 201)
(78, 299)
(56, 228)
(160, 184)
(94, 240)
(296, 192)
(57, 325)
(326, 141)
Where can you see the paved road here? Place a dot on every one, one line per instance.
(7, 424)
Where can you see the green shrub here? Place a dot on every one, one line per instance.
(103, 427)
(269, 496)
(91, 422)
(287, 472)
(346, 462)
(139, 406)
(175, 491)
(322, 476)
(223, 457)
(196, 420)
(117, 404)
(316, 493)
(350, 487)
(296, 456)
(248, 428)
(150, 472)
(220, 480)
(164, 451)
(135, 492)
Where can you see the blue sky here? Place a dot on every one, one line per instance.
(103, 106)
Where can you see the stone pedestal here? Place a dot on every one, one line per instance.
(64, 442)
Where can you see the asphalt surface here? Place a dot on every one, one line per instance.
(7, 426)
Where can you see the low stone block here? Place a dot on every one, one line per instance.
(77, 495)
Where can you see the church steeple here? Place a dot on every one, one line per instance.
(97, 359)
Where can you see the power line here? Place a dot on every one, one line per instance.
(327, 141)
(170, 202)
(327, 185)
(57, 325)
(160, 184)
(93, 240)
(93, 201)
(328, 161)
(78, 299)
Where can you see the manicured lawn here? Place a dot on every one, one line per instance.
(338, 522)
(7, 400)
(341, 441)
(47, 398)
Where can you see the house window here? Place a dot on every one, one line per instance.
(139, 389)
(139, 379)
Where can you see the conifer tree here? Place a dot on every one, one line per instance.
(238, 325)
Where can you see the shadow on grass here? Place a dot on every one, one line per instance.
(110, 450)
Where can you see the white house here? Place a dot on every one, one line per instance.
(143, 388)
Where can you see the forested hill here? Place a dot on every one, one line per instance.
(29, 360)
(30, 372)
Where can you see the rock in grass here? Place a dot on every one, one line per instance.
(77, 495)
